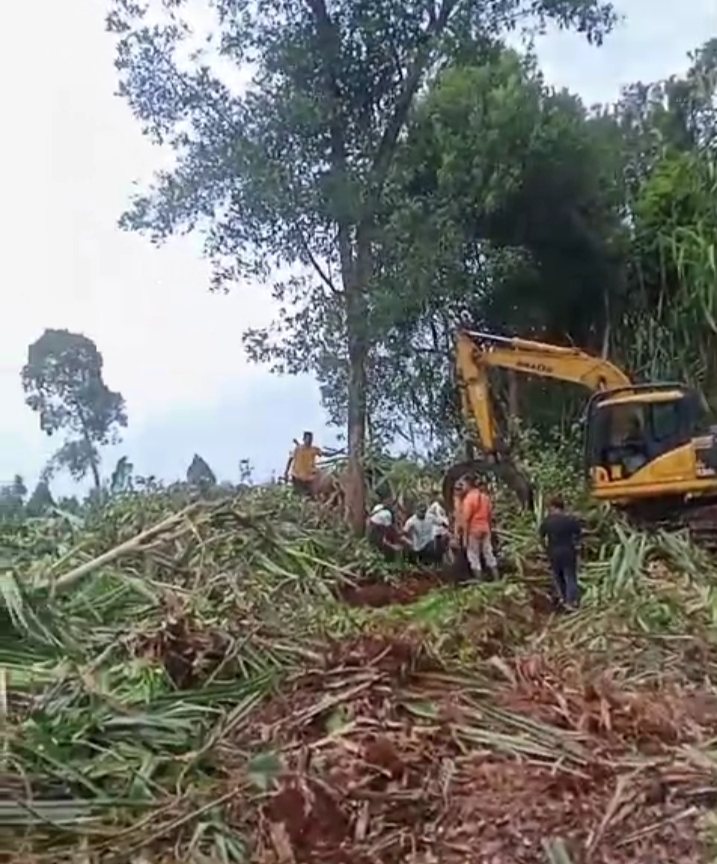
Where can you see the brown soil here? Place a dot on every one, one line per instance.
(367, 778)
(376, 593)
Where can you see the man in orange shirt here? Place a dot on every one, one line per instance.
(475, 530)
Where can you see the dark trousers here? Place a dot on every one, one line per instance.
(378, 538)
(429, 555)
(303, 487)
(564, 564)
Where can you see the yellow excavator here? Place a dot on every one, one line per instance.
(649, 448)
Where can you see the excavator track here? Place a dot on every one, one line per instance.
(697, 516)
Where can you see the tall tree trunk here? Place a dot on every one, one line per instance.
(355, 288)
(96, 475)
(355, 485)
(94, 467)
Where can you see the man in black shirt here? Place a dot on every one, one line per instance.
(560, 532)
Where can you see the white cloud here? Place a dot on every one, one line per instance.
(70, 152)
(651, 43)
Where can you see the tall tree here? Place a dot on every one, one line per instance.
(64, 385)
(12, 499)
(40, 501)
(293, 170)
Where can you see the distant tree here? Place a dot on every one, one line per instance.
(121, 480)
(41, 500)
(63, 382)
(199, 473)
(12, 499)
(69, 504)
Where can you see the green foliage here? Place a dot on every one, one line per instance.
(141, 643)
(507, 211)
(669, 134)
(509, 206)
(64, 385)
(41, 500)
(672, 307)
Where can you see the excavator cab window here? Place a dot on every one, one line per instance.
(625, 434)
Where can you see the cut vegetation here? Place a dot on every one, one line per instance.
(207, 683)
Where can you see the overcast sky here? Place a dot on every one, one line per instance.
(70, 154)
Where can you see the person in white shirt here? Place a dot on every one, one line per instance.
(437, 514)
(425, 536)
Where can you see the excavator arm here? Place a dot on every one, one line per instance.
(478, 352)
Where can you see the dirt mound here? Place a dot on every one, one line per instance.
(376, 593)
(386, 758)
(596, 704)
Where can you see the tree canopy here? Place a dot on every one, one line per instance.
(199, 473)
(63, 383)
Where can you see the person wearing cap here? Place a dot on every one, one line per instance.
(381, 530)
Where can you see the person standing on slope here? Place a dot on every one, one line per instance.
(301, 466)
(560, 532)
(474, 528)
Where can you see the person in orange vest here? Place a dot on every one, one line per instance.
(474, 528)
(301, 467)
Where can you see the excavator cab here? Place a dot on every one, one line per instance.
(649, 441)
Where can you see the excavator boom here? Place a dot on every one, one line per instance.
(476, 352)
(475, 348)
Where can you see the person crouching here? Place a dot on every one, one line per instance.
(425, 540)
(381, 531)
